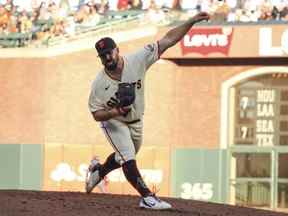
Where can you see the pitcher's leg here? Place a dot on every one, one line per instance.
(134, 177)
(136, 131)
(118, 135)
(109, 165)
(123, 140)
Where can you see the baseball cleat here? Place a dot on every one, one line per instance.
(92, 176)
(153, 202)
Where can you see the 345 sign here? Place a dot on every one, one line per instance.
(197, 191)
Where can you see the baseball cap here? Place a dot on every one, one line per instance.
(104, 45)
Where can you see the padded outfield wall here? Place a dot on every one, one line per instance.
(47, 134)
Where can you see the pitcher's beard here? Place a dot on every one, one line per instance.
(112, 66)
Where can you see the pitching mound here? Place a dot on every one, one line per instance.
(43, 203)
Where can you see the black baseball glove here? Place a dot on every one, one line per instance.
(125, 94)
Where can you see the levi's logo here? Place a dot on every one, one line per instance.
(207, 40)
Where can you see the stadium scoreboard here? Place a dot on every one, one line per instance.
(261, 113)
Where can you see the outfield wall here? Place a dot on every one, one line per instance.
(182, 111)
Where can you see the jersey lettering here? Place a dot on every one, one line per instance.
(139, 85)
(112, 102)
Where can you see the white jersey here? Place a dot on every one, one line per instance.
(102, 95)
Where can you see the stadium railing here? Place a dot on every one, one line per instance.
(112, 22)
(15, 39)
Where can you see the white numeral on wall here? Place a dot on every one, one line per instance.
(244, 131)
(197, 191)
(244, 102)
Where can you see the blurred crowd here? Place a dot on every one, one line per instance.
(58, 17)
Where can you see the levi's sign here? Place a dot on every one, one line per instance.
(207, 40)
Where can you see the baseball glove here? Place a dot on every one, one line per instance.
(125, 94)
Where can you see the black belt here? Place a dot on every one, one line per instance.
(133, 122)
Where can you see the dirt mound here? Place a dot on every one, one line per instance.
(50, 203)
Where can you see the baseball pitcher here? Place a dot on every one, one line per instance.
(116, 101)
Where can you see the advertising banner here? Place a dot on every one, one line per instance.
(206, 41)
(232, 41)
(65, 169)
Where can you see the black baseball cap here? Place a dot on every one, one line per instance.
(104, 45)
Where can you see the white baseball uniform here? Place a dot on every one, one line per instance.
(124, 133)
